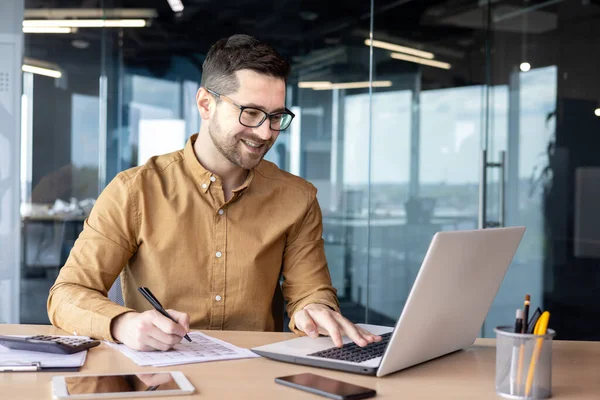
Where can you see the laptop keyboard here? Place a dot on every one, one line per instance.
(354, 353)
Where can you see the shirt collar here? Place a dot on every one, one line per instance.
(204, 177)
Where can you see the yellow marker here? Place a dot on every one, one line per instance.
(540, 329)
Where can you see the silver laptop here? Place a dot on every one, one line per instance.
(454, 289)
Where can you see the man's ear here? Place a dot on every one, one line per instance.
(204, 101)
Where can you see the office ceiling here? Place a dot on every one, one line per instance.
(295, 27)
(305, 30)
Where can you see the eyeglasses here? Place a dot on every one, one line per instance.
(255, 117)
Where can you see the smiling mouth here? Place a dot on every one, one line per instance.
(252, 144)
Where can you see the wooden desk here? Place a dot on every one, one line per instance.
(467, 374)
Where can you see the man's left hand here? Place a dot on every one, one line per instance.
(315, 319)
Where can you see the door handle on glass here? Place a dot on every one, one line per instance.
(484, 165)
(502, 190)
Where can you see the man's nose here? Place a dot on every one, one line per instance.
(264, 131)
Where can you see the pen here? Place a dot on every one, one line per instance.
(519, 321)
(156, 304)
(523, 330)
(515, 353)
(540, 329)
(533, 320)
(526, 313)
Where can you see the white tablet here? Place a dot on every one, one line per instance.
(108, 386)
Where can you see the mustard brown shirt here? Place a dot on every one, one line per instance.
(166, 225)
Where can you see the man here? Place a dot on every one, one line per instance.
(208, 229)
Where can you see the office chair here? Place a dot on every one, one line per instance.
(115, 294)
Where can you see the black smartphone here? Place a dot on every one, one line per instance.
(327, 387)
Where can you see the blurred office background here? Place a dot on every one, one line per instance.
(397, 103)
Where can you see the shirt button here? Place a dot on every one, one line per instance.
(218, 298)
(219, 254)
(212, 179)
(204, 186)
(221, 212)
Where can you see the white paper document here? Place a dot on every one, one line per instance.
(203, 348)
(10, 357)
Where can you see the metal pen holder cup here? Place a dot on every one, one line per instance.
(523, 364)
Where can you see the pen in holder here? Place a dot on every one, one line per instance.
(523, 364)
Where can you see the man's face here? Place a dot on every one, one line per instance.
(241, 145)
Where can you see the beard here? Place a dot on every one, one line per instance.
(231, 147)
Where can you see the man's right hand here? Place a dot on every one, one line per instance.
(150, 330)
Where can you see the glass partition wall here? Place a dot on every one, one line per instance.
(545, 55)
(63, 144)
(396, 104)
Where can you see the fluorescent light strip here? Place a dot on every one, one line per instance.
(401, 49)
(359, 85)
(41, 71)
(176, 5)
(71, 23)
(124, 23)
(86, 23)
(324, 85)
(90, 13)
(312, 84)
(46, 29)
(431, 63)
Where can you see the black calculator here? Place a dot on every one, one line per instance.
(49, 344)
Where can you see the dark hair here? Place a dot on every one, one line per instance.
(236, 53)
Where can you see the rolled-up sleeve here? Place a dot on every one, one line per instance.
(305, 272)
(78, 299)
